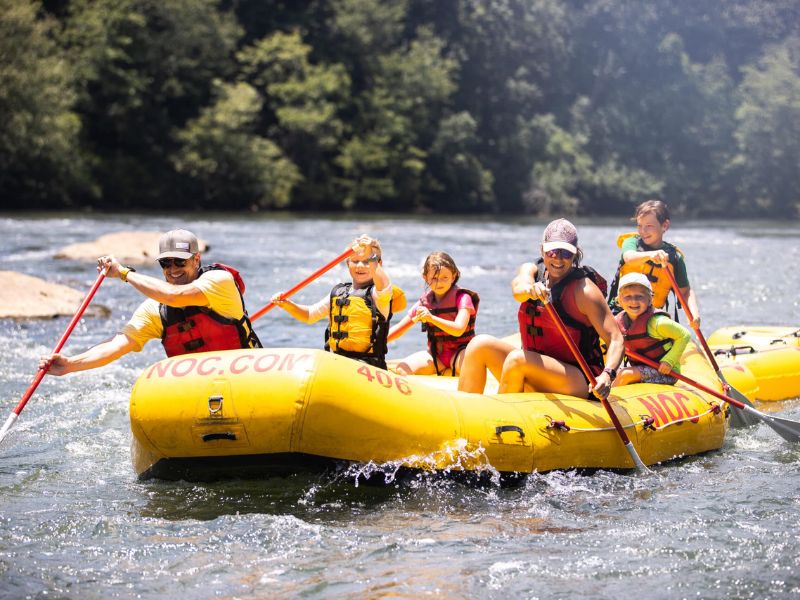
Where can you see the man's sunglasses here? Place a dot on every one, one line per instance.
(559, 253)
(166, 263)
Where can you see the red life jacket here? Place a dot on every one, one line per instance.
(447, 308)
(636, 338)
(539, 333)
(199, 329)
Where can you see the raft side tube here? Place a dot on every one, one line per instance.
(222, 403)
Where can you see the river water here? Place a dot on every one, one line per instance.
(75, 522)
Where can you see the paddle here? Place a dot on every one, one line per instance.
(324, 269)
(787, 429)
(737, 419)
(401, 331)
(640, 466)
(42, 372)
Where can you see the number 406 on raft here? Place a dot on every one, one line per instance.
(385, 379)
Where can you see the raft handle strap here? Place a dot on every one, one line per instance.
(222, 435)
(500, 429)
(736, 350)
(647, 422)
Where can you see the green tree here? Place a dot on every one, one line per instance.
(41, 164)
(402, 85)
(146, 68)
(768, 132)
(227, 163)
(565, 178)
(303, 102)
(511, 59)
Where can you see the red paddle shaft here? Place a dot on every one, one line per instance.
(324, 269)
(689, 316)
(708, 390)
(587, 371)
(42, 372)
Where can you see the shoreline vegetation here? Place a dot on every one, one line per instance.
(501, 107)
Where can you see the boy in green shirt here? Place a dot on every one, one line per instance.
(647, 252)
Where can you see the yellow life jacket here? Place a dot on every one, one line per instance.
(660, 281)
(356, 328)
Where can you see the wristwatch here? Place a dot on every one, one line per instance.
(123, 273)
(611, 373)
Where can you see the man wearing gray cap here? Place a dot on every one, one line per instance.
(196, 309)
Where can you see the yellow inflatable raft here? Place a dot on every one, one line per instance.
(767, 375)
(757, 337)
(274, 411)
(762, 362)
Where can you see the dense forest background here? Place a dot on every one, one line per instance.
(540, 106)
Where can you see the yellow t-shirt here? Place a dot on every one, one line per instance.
(217, 286)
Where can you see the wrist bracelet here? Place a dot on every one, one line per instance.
(611, 373)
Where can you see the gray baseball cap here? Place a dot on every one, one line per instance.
(177, 243)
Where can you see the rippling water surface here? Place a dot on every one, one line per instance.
(75, 522)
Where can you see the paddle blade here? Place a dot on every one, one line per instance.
(12, 418)
(640, 466)
(740, 418)
(788, 430)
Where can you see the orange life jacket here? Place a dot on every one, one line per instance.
(659, 281)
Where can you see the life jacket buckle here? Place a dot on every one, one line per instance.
(339, 335)
(340, 318)
(342, 301)
(185, 326)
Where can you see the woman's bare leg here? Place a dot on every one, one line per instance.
(483, 352)
(543, 373)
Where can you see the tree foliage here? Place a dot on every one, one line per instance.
(535, 106)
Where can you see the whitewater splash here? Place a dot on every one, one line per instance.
(457, 456)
